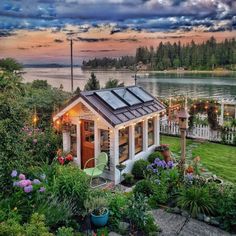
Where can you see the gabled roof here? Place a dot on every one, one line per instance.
(119, 105)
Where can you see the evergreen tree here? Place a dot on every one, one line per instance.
(92, 84)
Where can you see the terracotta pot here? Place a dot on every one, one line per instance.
(166, 155)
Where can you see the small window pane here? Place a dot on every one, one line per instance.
(73, 140)
(123, 144)
(111, 99)
(145, 97)
(127, 96)
(138, 137)
(150, 131)
(104, 144)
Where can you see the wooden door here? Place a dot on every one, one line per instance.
(87, 142)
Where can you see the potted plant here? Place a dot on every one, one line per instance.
(165, 152)
(97, 208)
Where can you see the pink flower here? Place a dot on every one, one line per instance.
(22, 176)
(23, 183)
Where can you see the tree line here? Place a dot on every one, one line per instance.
(208, 55)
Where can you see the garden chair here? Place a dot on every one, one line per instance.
(96, 171)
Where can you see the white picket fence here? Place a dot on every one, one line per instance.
(201, 132)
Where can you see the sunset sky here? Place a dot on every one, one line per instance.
(37, 31)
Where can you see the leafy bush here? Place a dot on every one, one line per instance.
(117, 206)
(145, 187)
(36, 227)
(63, 231)
(138, 215)
(128, 178)
(139, 168)
(71, 184)
(225, 205)
(196, 200)
(42, 145)
(56, 211)
(151, 158)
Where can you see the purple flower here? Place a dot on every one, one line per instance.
(42, 176)
(14, 173)
(23, 183)
(189, 176)
(22, 176)
(42, 189)
(28, 189)
(170, 164)
(36, 181)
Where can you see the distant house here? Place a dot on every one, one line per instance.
(123, 122)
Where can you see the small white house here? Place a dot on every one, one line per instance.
(123, 122)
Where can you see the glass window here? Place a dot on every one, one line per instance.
(127, 96)
(150, 132)
(73, 142)
(104, 144)
(111, 99)
(138, 137)
(145, 97)
(123, 144)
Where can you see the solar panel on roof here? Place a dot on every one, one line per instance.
(111, 99)
(127, 96)
(145, 97)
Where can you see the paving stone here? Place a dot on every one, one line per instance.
(170, 224)
(197, 228)
(113, 234)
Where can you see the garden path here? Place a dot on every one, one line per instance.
(173, 224)
(178, 225)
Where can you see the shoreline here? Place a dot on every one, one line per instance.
(165, 72)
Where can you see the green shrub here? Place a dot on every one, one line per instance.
(151, 158)
(56, 215)
(145, 187)
(139, 168)
(225, 205)
(36, 227)
(138, 215)
(195, 200)
(128, 178)
(117, 206)
(71, 184)
(63, 231)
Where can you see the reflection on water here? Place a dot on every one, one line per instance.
(164, 85)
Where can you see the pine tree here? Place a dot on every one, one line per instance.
(92, 84)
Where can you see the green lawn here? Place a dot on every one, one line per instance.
(217, 158)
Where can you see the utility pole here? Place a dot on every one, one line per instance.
(71, 65)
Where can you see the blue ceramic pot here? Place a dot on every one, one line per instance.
(100, 220)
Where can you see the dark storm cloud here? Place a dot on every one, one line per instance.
(151, 15)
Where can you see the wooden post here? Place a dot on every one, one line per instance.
(183, 145)
(222, 113)
(71, 65)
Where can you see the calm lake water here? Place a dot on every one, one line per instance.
(162, 85)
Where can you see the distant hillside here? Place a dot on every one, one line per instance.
(208, 55)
